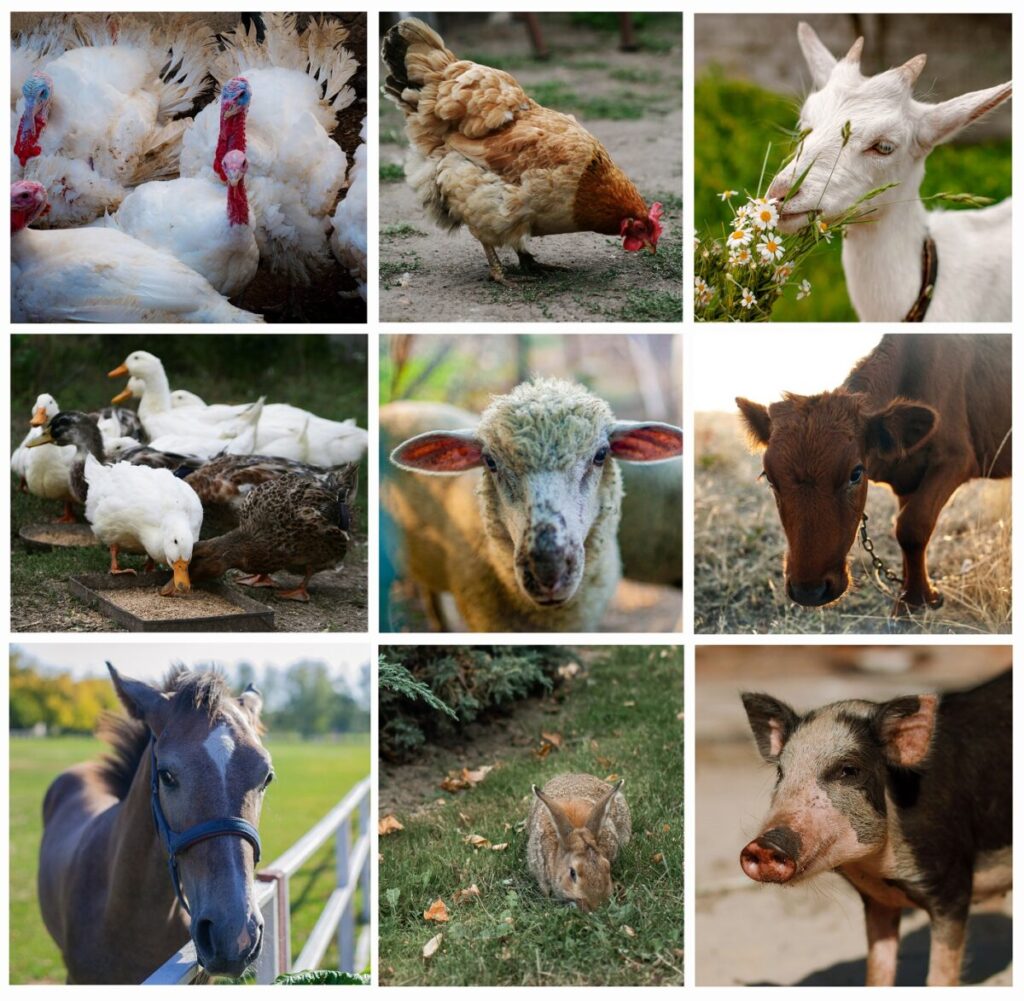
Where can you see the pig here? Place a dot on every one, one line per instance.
(909, 800)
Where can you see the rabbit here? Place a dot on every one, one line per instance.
(576, 826)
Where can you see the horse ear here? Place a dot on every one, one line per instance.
(251, 702)
(142, 701)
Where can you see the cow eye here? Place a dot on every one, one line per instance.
(764, 476)
(572, 874)
(857, 475)
(490, 463)
(601, 455)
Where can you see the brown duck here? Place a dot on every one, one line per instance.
(290, 523)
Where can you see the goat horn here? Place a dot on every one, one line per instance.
(853, 56)
(911, 69)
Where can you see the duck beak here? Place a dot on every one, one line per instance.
(38, 418)
(179, 583)
(125, 394)
(120, 370)
(44, 439)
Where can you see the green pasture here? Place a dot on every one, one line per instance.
(311, 778)
(734, 123)
(624, 718)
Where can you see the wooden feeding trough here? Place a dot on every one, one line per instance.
(136, 604)
(57, 535)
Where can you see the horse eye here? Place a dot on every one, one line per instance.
(856, 475)
(572, 874)
(167, 779)
(270, 778)
(601, 455)
(490, 463)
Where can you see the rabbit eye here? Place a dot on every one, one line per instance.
(572, 874)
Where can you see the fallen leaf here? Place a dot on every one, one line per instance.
(462, 896)
(628, 932)
(465, 778)
(569, 670)
(666, 828)
(658, 857)
(477, 841)
(552, 738)
(544, 750)
(603, 761)
(629, 704)
(463, 818)
(476, 775)
(432, 946)
(499, 848)
(436, 912)
(389, 824)
(611, 778)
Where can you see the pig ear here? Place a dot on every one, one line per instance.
(819, 60)
(902, 428)
(905, 727)
(772, 722)
(756, 421)
(440, 452)
(142, 701)
(647, 441)
(940, 122)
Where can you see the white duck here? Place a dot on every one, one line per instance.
(102, 117)
(102, 275)
(131, 508)
(348, 238)
(285, 93)
(45, 472)
(187, 218)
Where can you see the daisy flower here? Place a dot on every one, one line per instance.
(770, 248)
(747, 298)
(763, 213)
(824, 231)
(805, 289)
(739, 237)
(727, 194)
(741, 257)
(783, 272)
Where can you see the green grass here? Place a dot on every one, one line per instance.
(622, 719)
(735, 122)
(391, 172)
(311, 778)
(624, 105)
(400, 231)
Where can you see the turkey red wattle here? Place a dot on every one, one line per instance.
(235, 166)
(234, 103)
(37, 91)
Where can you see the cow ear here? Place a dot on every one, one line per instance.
(771, 721)
(141, 701)
(647, 441)
(440, 452)
(756, 421)
(905, 728)
(900, 429)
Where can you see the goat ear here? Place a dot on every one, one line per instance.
(756, 421)
(141, 701)
(771, 722)
(820, 61)
(647, 441)
(440, 452)
(905, 728)
(940, 122)
(900, 429)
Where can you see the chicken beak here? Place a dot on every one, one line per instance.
(120, 370)
(651, 246)
(44, 439)
(125, 394)
(38, 418)
(179, 583)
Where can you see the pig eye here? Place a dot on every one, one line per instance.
(849, 772)
(572, 874)
(490, 463)
(857, 475)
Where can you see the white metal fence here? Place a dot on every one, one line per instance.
(338, 918)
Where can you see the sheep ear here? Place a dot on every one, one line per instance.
(141, 701)
(599, 813)
(771, 722)
(757, 422)
(820, 61)
(648, 441)
(940, 122)
(563, 826)
(900, 429)
(440, 452)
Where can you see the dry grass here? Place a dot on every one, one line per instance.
(739, 544)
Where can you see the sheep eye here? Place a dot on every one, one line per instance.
(572, 874)
(490, 463)
(601, 455)
(167, 779)
(884, 147)
(857, 475)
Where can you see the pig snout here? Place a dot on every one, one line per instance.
(771, 858)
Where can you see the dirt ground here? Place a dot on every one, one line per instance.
(811, 934)
(632, 103)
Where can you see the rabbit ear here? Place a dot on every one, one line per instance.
(600, 812)
(563, 826)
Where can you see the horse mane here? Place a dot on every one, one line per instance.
(128, 738)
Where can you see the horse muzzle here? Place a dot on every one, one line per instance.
(222, 949)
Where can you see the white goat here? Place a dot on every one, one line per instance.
(890, 137)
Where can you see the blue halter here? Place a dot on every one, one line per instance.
(175, 843)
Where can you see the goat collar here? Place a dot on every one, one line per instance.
(929, 274)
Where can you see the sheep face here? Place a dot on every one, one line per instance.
(863, 133)
(549, 481)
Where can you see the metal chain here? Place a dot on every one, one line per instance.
(881, 570)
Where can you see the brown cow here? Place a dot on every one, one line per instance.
(922, 413)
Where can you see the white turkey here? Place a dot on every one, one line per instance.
(204, 224)
(104, 116)
(288, 90)
(101, 276)
(348, 239)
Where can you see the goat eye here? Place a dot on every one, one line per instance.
(857, 475)
(490, 463)
(572, 874)
(167, 779)
(600, 456)
(884, 147)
